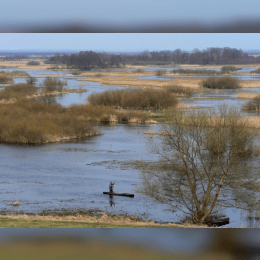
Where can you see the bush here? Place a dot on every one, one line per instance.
(31, 80)
(139, 71)
(227, 69)
(195, 72)
(18, 91)
(179, 90)
(145, 99)
(33, 63)
(160, 72)
(253, 104)
(76, 72)
(5, 79)
(32, 122)
(256, 71)
(221, 83)
(53, 84)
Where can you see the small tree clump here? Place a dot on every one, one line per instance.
(31, 80)
(53, 84)
(228, 69)
(221, 83)
(253, 105)
(206, 164)
(6, 79)
(160, 72)
(141, 98)
(256, 71)
(33, 63)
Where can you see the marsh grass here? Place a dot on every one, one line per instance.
(5, 79)
(99, 75)
(17, 91)
(196, 72)
(220, 83)
(253, 105)
(160, 72)
(228, 69)
(135, 98)
(33, 63)
(15, 73)
(34, 122)
(257, 71)
(53, 84)
(179, 90)
(139, 71)
(29, 121)
(76, 72)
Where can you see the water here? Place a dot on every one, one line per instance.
(72, 176)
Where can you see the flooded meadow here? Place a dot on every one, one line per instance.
(71, 176)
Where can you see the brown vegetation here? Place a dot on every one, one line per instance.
(144, 99)
(221, 83)
(179, 90)
(205, 164)
(253, 104)
(33, 122)
(17, 91)
(53, 84)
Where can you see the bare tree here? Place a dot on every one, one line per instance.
(206, 163)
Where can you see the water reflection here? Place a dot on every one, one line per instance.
(111, 201)
(72, 176)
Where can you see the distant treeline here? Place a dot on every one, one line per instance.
(15, 57)
(87, 60)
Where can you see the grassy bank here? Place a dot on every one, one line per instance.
(80, 221)
(59, 248)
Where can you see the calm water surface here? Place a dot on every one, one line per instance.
(72, 176)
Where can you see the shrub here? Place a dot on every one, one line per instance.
(221, 83)
(32, 122)
(160, 72)
(253, 104)
(139, 71)
(5, 79)
(195, 72)
(33, 63)
(145, 99)
(53, 84)
(18, 73)
(256, 71)
(227, 69)
(179, 90)
(31, 80)
(76, 72)
(18, 91)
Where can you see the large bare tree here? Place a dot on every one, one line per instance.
(207, 162)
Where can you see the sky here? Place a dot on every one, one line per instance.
(127, 41)
(134, 11)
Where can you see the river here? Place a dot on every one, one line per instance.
(71, 176)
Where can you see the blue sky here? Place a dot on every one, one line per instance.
(120, 12)
(127, 41)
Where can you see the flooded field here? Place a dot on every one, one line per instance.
(71, 176)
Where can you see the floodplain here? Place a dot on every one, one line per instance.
(69, 171)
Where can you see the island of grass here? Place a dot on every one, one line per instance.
(26, 120)
(221, 83)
